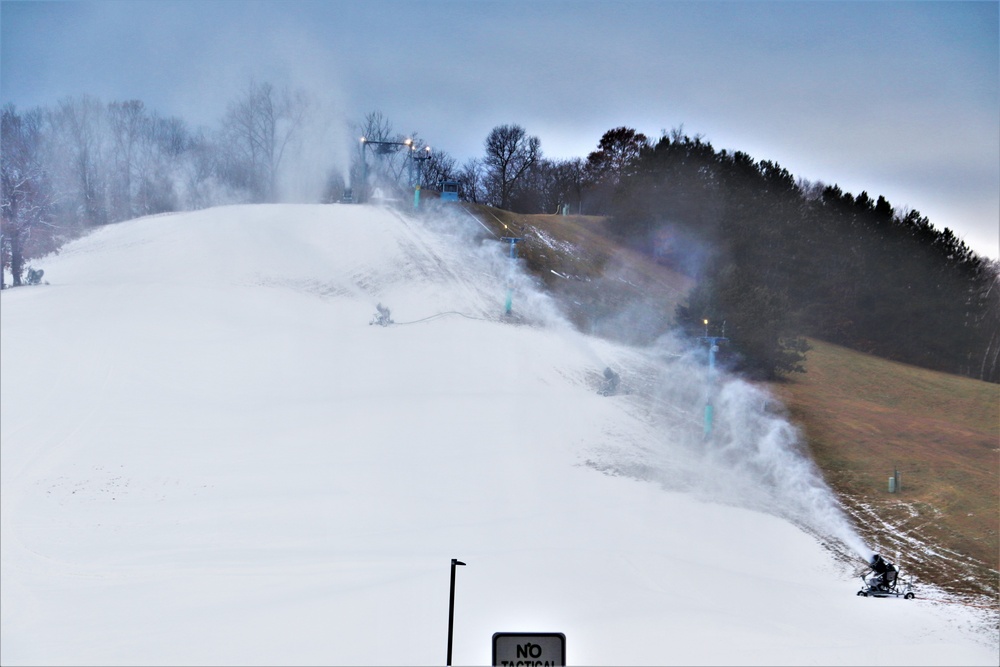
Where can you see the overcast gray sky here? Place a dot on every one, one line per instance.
(900, 99)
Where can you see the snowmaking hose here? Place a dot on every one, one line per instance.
(450, 312)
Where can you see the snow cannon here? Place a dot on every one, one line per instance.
(383, 317)
(883, 580)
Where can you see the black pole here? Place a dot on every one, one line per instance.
(451, 606)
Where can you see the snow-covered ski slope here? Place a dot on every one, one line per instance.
(210, 456)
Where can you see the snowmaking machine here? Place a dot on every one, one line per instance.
(884, 581)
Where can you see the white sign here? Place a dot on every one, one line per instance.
(529, 649)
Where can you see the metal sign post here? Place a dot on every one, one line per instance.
(451, 606)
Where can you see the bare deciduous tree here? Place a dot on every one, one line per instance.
(78, 155)
(259, 127)
(26, 197)
(550, 185)
(470, 178)
(510, 153)
(129, 125)
(989, 322)
(433, 167)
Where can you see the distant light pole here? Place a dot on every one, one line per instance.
(451, 606)
(419, 159)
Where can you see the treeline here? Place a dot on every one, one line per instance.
(84, 163)
(778, 259)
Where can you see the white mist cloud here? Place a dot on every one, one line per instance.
(753, 457)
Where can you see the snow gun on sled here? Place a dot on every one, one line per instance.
(884, 581)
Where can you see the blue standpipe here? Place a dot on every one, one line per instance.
(513, 241)
(713, 347)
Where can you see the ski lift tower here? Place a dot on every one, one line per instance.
(381, 149)
(419, 159)
(713, 347)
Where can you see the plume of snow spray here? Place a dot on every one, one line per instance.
(753, 458)
(764, 451)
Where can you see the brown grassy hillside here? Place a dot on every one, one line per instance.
(865, 417)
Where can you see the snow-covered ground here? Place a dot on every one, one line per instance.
(210, 456)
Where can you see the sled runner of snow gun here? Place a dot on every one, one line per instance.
(884, 581)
